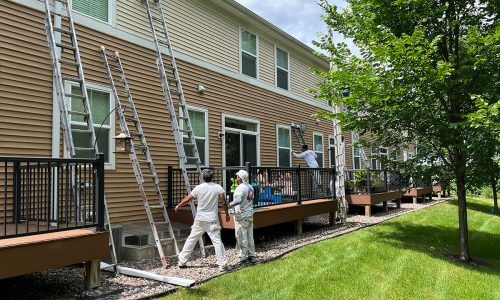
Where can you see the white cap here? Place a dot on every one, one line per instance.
(243, 175)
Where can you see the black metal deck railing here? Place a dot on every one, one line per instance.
(272, 185)
(369, 181)
(42, 195)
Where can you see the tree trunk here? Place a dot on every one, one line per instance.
(495, 195)
(462, 211)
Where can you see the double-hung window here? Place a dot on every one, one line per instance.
(356, 158)
(248, 53)
(198, 119)
(318, 148)
(374, 158)
(281, 69)
(103, 118)
(384, 156)
(97, 9)
(284, 146)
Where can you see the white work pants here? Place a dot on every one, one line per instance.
(197, 230)
(244, 236)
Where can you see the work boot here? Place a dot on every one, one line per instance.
(252, 259)
(181, 265)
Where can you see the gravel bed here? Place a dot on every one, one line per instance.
(271, 243)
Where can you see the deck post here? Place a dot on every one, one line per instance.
(386, 186)
(384, 205)
(398, 203)
(92, 274)
(331, 218)
(415, 200)
(368, 211)
(299, 186)
(368, 181)
(298, 226)
(170, 186)
(439, 195)
(100, 193)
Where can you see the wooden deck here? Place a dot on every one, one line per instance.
(272, 215)
(416, 193)
(367, 200)
(40, 252)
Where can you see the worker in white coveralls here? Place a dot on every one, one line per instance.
(243, 218)
(209, 195)
(310, 157)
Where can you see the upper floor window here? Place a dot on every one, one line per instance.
(97, 9)
(248, 53)
(282, 69)
(356, 158)
(284, 146)
(318, 148)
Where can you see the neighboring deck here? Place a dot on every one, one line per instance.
(418, 192)
(367, 200)
(35, 253)
(273, 214)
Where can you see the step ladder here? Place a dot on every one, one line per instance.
(174, 98)
(298, 130)
(142, 162)
(65, 52)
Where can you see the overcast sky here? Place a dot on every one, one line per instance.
(299, 18)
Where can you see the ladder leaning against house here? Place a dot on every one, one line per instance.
(174, 96)
(71, 74)
(298, 129)
(142, 162)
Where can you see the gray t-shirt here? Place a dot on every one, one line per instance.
(243, 201)
(207, 195)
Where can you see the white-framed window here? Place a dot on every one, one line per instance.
(284, 149)
(102, 107)
(384, 156)
(199, 123)
(331, 149)
(101, 10)
(318, 148)
(241, 140)
(282, 69)
(249, 53)
(356, 158)
(374, 161)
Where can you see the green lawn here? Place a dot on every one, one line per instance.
(401, 258)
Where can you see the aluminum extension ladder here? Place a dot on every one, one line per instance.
(172, 91)
(298, 130)
(142, 162)
(72, 73)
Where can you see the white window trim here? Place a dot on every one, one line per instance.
(278, 147)
(330, 146)
(112, 161)
(386, 154)
(256, 55)
(241, 118)
(206, 138)
(111, 14)
(276, 67)
(322, 147)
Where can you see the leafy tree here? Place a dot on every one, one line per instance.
(428, 68)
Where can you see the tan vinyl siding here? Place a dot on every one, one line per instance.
(31, 135)
(194, 30)
(266, 62)
(25, 83)
(301, 78)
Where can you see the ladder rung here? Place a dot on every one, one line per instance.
(161, 222)
(74, 96)
(113, 68)
(183, 118)
(167, 44)
(81, 113)
(139, 146)
(156, 19)
(192, 157)
(166, 239)
(81, 130)
(149, 175)
(65, 46)
(68, 62)
(185, 130)
(135, 133)
(62, 30)
(144, 161)
(178, 93)
(172, 80)
(156, 207)
(131, 119)
(189, 144)
(84, 148)
(70, 78)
